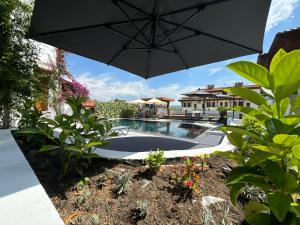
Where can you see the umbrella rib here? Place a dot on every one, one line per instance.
(132, 22)
(198, 32)
(43, 34)
(175, 48)
(149, 58)
(125, 35)
(193, 7)
(134, 7)
(181, 24)
(125, 46)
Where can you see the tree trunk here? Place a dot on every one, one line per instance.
(6, 117)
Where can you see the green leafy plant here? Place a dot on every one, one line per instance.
(101, 181)
(223, 114)
(79, 200)
(188, 176)
(124, 182)
(155, 159)
(75, 138)
(95, 219)
(141, 210)
(116, 109)
(269, 160)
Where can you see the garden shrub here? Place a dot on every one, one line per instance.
(79, 134)
(188, 176)
(272, 159)
(116, 109)
(155, 159)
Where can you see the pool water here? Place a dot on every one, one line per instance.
(173, 128)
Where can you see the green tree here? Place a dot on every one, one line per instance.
(18, 58)
(269, 157)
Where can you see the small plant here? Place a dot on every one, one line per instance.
(124, 182)
(77, 221)
(95, 219)
(84, 194)
(252, 193)
(203, 161)
(141, 210)
(188, 176)
(155, 159)
(82, 183)
(101, 181)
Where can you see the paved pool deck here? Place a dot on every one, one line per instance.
(23, 200)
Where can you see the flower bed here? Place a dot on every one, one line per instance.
(151, 198)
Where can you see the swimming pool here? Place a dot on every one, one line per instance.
(169, 128)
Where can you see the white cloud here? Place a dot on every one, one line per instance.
(105, 87)
(280, 10)
(215, 70)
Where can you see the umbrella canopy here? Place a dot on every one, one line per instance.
(152, 37)
(138, 101)
(155, 101)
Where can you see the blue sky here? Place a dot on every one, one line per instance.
(107, 82)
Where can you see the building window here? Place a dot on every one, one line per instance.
(189, 104)
(221, 103)
(234, 104)
(213, 104)
(240, 116)
(248, 104)
(208, 104)
(195, 106)
(203, 106)
(241, 103)
(226, 104)
(184, 104)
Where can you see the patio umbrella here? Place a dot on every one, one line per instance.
(138, 101)
(155, 101)
(152, 37)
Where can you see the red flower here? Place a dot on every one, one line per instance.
(189, 183)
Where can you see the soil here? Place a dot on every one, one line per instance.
(167, 205)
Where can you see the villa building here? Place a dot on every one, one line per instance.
(287, 40)
(207, 101)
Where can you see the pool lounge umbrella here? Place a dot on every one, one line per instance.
(152, 37)
(138, 101)
(155, 101)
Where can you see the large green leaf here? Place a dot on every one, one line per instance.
(241, 131)
(47, 148)
(248, 94)
(256, 113)
(255, 207)
(93, 144)
(29, 131)
(274, 172)
(279, 204)
(284, 104)
(251, 71)
(231, 155)
(286, 75)
(236, 139)
(290, 183)
(276, 58)
(285, 139)
(259, 219)
(234, 192)
(296, 151)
